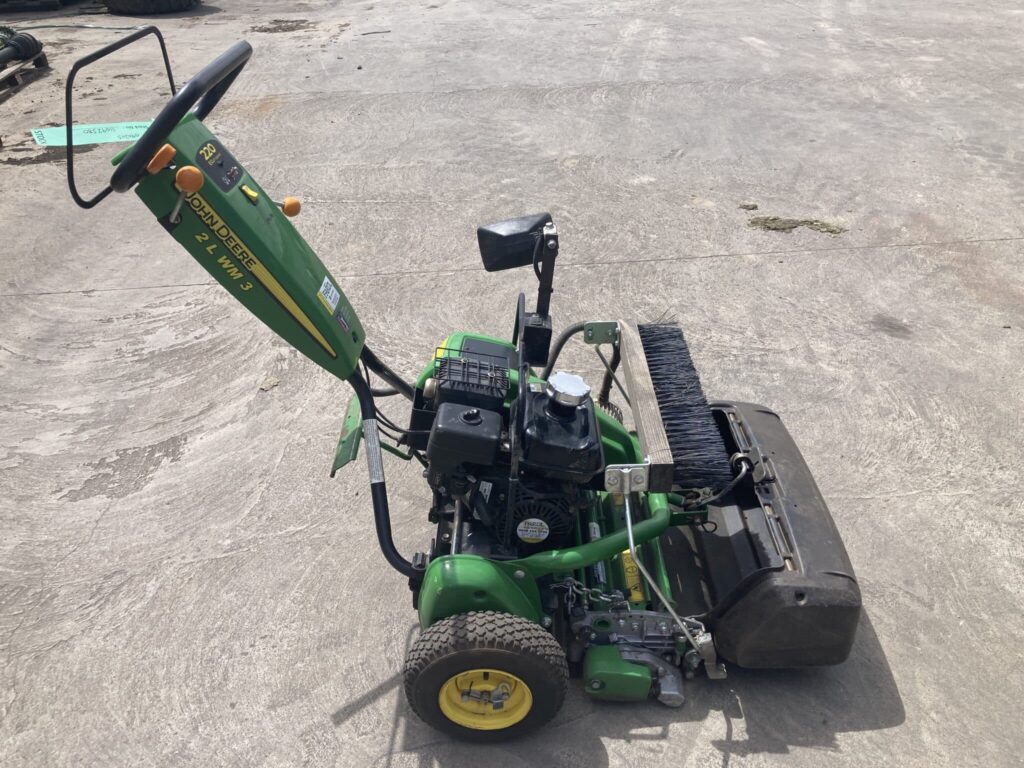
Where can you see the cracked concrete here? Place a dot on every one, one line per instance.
(182, 584)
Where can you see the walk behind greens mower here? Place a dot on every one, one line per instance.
(566, 544)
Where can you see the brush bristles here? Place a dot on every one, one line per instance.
(698, 451)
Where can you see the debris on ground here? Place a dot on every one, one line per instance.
(283, 25)
(779, 224)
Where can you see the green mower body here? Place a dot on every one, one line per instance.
(631, 537)
(234, 229)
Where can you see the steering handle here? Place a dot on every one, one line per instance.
(203, 92)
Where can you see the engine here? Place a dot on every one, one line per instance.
(510, 475)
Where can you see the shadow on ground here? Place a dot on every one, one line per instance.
(779, 710)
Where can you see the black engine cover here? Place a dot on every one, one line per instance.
(561, 442)
(462, 434)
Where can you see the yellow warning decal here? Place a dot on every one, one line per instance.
(634, 582)
(441, 349)
(241, 251)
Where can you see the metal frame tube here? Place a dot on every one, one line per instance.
(650, 579)
(375, 364)
(456, 527)
(378, 489)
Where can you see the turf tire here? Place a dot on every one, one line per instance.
(486, 639)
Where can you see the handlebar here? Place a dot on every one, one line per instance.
(203, 92)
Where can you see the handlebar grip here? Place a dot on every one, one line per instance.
(203, 92)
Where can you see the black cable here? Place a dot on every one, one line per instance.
(608, 370)
(537, 249)
(387, 422)
(606, 382)
(376, 365)
(393, 438)
(744, 467)
(385, 419)
(377, 391)
(391, 425)
(556, 348)
(381, 417)
(413, 453)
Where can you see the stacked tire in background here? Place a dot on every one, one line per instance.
(149, 6)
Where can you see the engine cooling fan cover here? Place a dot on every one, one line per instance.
(542, 523)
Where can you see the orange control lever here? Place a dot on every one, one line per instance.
(189, 179)
(163, 157)
(290, 206)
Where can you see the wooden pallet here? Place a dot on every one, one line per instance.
(13, 76)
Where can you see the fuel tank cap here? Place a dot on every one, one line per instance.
(567, 389)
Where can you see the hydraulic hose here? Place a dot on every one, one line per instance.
(556, 349)
(609, 375)
(378, 489)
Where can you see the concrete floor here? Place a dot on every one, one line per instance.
(181, 584)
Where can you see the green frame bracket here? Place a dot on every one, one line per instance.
(607, 676)
(601, 332)
(351, 435)
(456, 584)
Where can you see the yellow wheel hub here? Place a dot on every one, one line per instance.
(485, 699)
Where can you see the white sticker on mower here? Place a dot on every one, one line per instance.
(595, 534)
(373, 456)
(532, 530)
(485, 489)
(329, 295)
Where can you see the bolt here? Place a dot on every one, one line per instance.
(519, 574)
(546, 621)
(613, 481)
(595, 684)
(552, 245)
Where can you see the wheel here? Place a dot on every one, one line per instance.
(141, 7)
(485, 676)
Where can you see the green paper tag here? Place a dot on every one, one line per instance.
(100, 133)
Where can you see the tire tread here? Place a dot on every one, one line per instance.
(484, 630)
